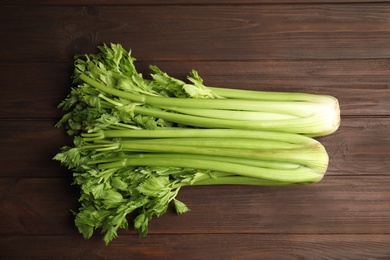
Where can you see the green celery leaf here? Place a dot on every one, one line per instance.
(154, 186)
(180, 207)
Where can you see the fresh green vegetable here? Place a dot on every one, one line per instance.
(138, 141)
(142, 171)
(109, 85)
(288, 112)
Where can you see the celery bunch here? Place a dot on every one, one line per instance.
(137, 141)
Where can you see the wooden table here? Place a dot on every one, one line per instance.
(341, 49)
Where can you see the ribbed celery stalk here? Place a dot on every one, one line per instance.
(205, 133)
(279, 151)
(313, 115)
(299, 175)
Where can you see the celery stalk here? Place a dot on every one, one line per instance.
(313, 118)
(298, 175)
(138, 141)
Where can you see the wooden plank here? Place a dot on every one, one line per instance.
(180, 2)
(28, 147)
(34, 90)
(37, 206)
(362, 86)
(360, 147)
(201, 32)
(210, 246)
(338, 204)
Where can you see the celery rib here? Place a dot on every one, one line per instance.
(239, 180)
(310, 125)
(314, 157)
(299, 175)
(208, 133)
(230, 114)
(271, 95)
(241, 143)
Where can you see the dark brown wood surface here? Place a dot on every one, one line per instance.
(326, 47)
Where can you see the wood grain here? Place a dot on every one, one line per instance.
(180, 2)
(30, 146)
(359, 31)
(203, 246)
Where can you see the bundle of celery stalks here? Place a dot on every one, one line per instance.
(138, 141)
